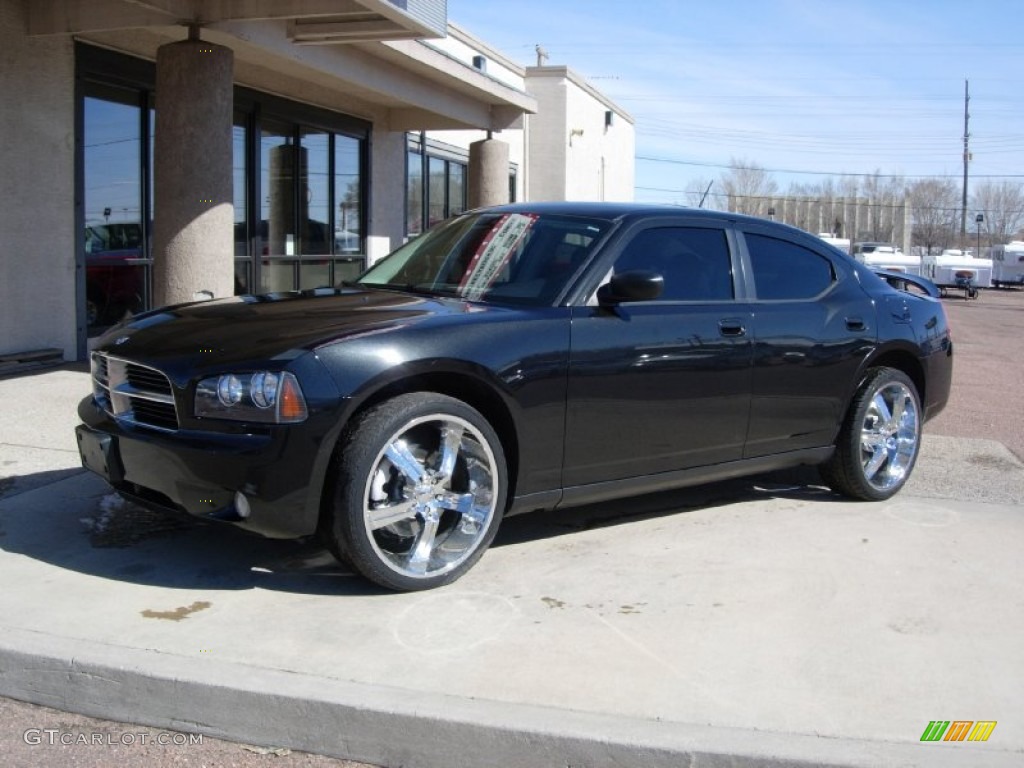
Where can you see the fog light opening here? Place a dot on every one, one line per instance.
(242, 505)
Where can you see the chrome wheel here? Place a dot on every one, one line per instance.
(430, 496)
(879, 440)
(889, 436)
(420, 490)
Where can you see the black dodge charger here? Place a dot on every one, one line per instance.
(519, 358)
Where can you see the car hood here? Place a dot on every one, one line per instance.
(271, 327)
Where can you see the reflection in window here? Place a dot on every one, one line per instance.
(414, 194)
(437, 203)
(238, 160)
(347, 200)
(310, 193)
(240, 199)
(314, 192)
(277, 183)
(115, 249)
(456, 188)
(444, 190)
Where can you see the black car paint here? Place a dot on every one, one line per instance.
(568, 387)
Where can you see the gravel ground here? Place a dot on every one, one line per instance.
(988, 364)
(988, 337)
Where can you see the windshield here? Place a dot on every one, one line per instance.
(520, 258)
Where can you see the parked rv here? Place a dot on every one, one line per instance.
(958, 269)
(1007, 264)
(886, 256)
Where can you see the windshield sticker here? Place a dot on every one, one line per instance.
(494, 253)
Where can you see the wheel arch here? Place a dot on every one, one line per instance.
(461, 385)
(902, 360)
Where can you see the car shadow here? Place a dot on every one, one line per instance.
(801, 483)
(72, 520)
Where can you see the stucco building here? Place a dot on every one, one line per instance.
(156, 151)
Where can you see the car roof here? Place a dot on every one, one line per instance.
(614, 211)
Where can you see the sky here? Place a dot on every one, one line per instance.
(806, 89)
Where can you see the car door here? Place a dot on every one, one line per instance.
(660, 385)
(813, 325)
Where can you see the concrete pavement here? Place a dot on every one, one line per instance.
(759, 622)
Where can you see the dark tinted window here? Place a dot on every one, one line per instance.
(784, 270)
(693, 261)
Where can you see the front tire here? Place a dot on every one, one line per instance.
(880, 438)
(421, 488)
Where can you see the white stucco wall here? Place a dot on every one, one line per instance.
(37, 245)
(599, 164)
(574, 154)
(463, 46)
(548, 147)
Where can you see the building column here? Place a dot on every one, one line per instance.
(488, 173)
(193, 212)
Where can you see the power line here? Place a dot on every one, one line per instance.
(828, 173)
(952, 210)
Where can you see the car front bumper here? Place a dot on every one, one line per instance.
(280, 471)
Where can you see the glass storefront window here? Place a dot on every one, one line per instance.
(456, 188)
(437, 202)
(348, 234)
(277, 187)
(116, 263)
(240, 198)
(414, 194)
(314, 192)
(326, 186)
(445, 186)
(298, 175)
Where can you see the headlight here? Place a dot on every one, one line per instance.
(265, 396)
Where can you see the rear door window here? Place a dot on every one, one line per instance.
(786, 271)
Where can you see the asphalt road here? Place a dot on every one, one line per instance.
(989, 346)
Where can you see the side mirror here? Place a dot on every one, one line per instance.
(635, 285)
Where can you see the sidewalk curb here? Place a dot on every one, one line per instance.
(394, 727)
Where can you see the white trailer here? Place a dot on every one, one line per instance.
(886, 256)
(842, 243)
(1007, 263)
(958, 269)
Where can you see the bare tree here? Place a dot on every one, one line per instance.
(885, 197)
(936, 207)
(1002, 204)
(748, 187)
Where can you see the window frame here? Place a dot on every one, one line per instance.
(586, 293)
(797, 242)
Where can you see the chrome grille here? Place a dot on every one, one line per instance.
(133, 393)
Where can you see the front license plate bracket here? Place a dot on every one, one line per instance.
(100, 454)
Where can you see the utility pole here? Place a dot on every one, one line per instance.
(967, 158)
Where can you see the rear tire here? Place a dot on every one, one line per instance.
(880, 438)
(421, 488)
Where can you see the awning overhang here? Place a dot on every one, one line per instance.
(362, 56)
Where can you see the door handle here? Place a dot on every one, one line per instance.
(855, 324)
(731, 327)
